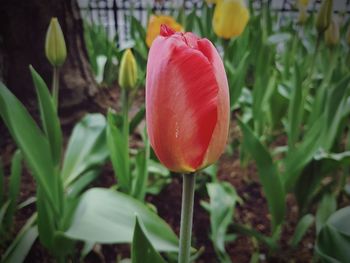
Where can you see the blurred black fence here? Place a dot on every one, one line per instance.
(112, 14)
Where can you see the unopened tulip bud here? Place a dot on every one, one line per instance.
(128, 71)
(324, 16)
(332, 35)
(55, 46)
(302, 18)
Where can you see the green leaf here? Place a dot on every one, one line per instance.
(190, 19)
(340, 220)
(278, 38)
(23, 246)
(157, 168)
(142, 249)
(31, 141)
(140, 182)
(3, 211)
(119, 158)
(106, 216)
(325, 209)
(45, 221)
(303, 225)
(268, 174)
(14, 186)
(299, 157)
(236, 79)
(223, 199)
(332, 246)
(335, 107)
(2, 183)
(295, 109)
(86, 149)
(139, 116)
(333, 241)
(49, 118)
(329, 162)
(78, 186)
(20, 246)
(244, 230)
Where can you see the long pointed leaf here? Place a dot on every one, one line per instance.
(49, 118)
(116, 146)
(12, 250)
(142, 249)
(14, 186)
(268, 174)
(86, 148)
(31, 141)
(2, 186)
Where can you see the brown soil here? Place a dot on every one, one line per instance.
(253, 211)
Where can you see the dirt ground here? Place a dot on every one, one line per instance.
(253, 211)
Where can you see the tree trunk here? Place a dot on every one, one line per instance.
(23, 26)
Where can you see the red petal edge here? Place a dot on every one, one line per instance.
(166, 31)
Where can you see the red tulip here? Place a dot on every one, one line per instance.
(187, 101)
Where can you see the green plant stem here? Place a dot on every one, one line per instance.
(188, 185)
(296, 38)
(321, 94)
(125, 112)
(313, 61)
(55, 86)
(225, 44)
(307, 82)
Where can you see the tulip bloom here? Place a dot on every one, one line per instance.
(154, 26)
(187, 101)
(230, 18)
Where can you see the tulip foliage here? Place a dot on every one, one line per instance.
(263, 89)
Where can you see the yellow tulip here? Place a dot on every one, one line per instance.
(324, 16)
(230, 18)
(332, 35)
(128, 71)
(55, 46)
(153, 28)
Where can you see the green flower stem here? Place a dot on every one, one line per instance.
(307, 83)
(313, 61)
(186, 217)
(55, 86)
(125, 112)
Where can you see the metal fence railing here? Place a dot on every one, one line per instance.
(112, 14)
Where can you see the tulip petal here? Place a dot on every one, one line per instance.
(220, 134)
(181, 120)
